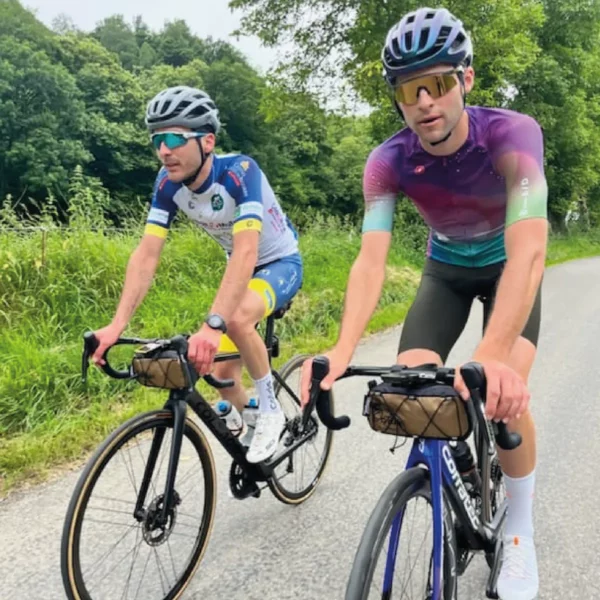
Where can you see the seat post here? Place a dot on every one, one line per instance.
(269, 332)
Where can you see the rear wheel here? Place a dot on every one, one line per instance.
(296, 478)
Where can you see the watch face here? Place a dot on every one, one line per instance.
(215, 322)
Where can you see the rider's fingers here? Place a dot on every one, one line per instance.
(305, 381)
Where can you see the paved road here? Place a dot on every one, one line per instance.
(262, 550)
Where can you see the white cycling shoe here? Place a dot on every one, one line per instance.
(266, 436)
(518, 578)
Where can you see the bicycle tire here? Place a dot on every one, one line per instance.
(406, 486)
(275, 483)
(74, 585)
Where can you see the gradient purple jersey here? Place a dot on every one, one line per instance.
(467, 198)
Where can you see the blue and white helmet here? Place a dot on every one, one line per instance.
(424, 38)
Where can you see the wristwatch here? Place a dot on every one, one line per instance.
(215, 321)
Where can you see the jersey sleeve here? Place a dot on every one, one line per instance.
(517, 151)
(380, 190)
(243, 182)
(163, 209)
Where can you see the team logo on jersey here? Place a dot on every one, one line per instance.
(216, 202)
(245, 165)
(420, 170)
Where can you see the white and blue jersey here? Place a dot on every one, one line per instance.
(235, 197)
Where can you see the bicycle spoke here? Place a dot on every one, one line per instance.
(194, 518)
(183, 479)
(112, 499)
(138, 546)
(143, 573)
(111, 522)
(416, 554)
(112, 510)
(192, 537)
(118, 563)
(160, 570)
(112, 548)
(130, 472)
(171, 556)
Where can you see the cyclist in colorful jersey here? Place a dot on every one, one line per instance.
(476, 175)
(230, 198)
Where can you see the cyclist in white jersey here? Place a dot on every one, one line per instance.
(231, 199)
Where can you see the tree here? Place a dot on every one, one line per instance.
(39, 144)
(176, 45)
(118, 37)
(63, 24)
(147, 57)
(539, 56)
(114, 108)
(237, 91)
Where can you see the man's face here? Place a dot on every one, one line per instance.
(431, 100)
(181, 161)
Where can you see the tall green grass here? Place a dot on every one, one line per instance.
(56, 283)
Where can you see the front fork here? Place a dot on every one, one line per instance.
(178, 408)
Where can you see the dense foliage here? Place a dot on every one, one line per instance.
(70, 98)
(541, 57)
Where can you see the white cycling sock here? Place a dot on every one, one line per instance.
(267, 402)
(519, 516)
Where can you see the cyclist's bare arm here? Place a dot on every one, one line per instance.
(362, 295)
(364, 290)
(525, 241)
(140, 272)
(380, 190)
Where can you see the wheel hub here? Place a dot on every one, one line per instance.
(155, 531)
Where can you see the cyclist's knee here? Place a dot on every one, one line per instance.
(418, 356)
(243, 321)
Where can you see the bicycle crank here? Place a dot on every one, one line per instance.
(240, 485)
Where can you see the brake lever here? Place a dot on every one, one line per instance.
(474, 376)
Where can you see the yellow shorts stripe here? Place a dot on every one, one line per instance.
(266, 292)
(156, 230)
(227, 346)
(247, 225)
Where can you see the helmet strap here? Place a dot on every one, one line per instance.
(203, 158)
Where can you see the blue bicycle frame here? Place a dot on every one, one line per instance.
(436, 457)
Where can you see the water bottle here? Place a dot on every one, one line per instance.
(250, 416)
(250, 412)
(465, 463)
(232, 418)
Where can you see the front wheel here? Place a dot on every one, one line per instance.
(110, 550)
(397, 521)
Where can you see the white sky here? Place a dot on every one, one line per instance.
(204, 17)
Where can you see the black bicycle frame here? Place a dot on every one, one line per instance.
(176, 404)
